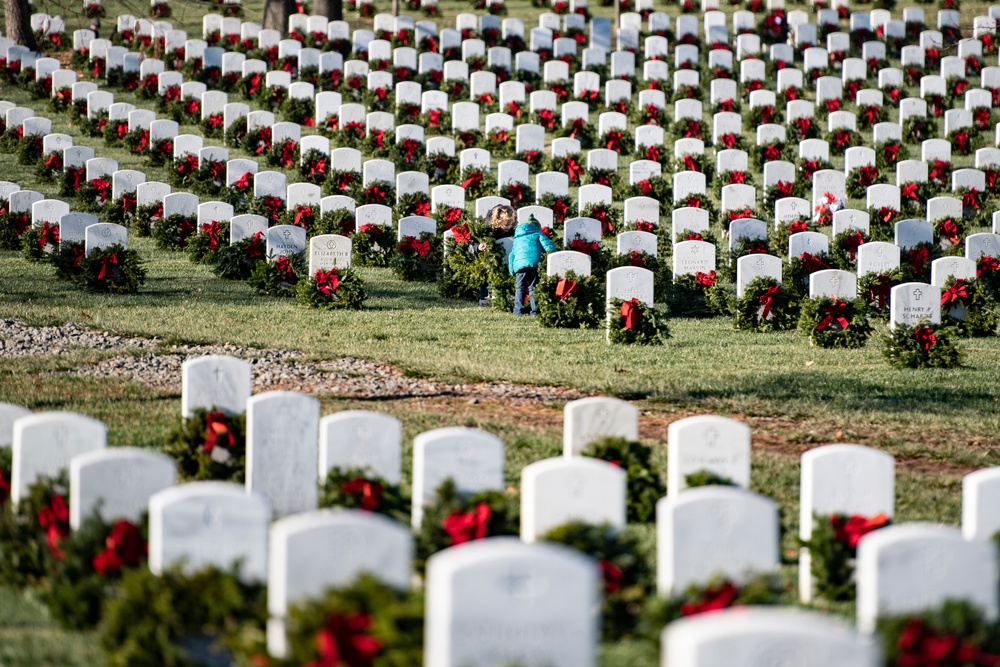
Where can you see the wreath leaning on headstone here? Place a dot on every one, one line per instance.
(632, 322)
(831, 322)
(115, 269)
(454, 518)
(333, 289)
(359, 488)
(717, 594)
(31, 531)
(645, 484)
(921, 346)
(369, 621)
(969, 307)
(766, 306)
(955, 633)
(280, 276)
(417, 258)
(209, 445)
(94, 557)
(569, 302)
(833, 547)
(698, 295)
(628, 580)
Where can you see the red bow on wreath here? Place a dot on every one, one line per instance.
(812, 263)
(461, 233)
(632, 312)
(565, 288)
(925, 337)
(910, 191)
(122, 548)
(303, 216)
(705, 280)
(466, 526)
(50, 234)
(970, 199)
(343, 642)
(880, 290)
(949, 230)
(767, 299)
(369, 492)
(422, 248)
(128, 202)
(108, 262)
(582, 246)
(244, 182)
(652, 152)
(850, 530)
(54, 520)
(318, 168)
(957, 292)
(327, 282)
(613, 140)
(473, 181)
(213, 229)
(379, 136)
(284, 266)
(103, 188)
(715, 598)
(54, 161)
(573, 170)
(834, 313)
(919, 257)
(920, 645)
(612, 575)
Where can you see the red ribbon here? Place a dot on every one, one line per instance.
(327, 282)
(108, 262)
(461, 232)
(464, 527)
(955, 293)
(217, 431)
(213, 229)
(920, 645)
(123, 547)
(613, 140)
(128, 202)
(54, 162)
(422, 248)
(287, 153)
(713, 599)
(343, 642)
(582, 246)
(303, 217)
(473, 181)
(244, 182)
(834, 313)
(631, 312)
(880, 290)
(50, 234)
(850, 530)
(919, 257)
(103, 188)
(566, 288)
(812, 263)
(379, 136)
(369, 492)
(284, 266)
(54, 520)
(852, 242)
(767, 298)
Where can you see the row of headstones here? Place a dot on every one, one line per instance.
(692, 550)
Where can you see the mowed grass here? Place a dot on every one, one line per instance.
(939, 424)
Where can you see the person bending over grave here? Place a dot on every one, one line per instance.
(501, 221)
(530, 246)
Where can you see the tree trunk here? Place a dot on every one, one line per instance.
(331, 9)
(276, 13)
(17, 16)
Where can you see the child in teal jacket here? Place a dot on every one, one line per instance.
(530, 246)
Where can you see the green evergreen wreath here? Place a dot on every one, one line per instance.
(657, 187)
(333, 289)
(347, 183)
(844, 249)
(874, 289)
(359, 488)
(299, 110)
(237, 261)
(628, 579)
(204, 246)
(95, 556)
(980, 317)
(26, 546)
(572, 302)
(833, 550)
(453, 518)
(766, 306)
(174, 232)
(314, 166)
(414, 203)
(719, 593)
(833, 323)
(151, 616)
(370, 621)
(115, 270)
(145, 218)
(705, 477)
(373, 246)
(278, 277)
(956, 629)
(193, 443)
(921, 346)
(338, 221)
(37, 243)
(698, 296)
(466, 268)
(29, 149)
(645, 482)
(66, 260)
(417, 258)
(12, 228)
(649, 323)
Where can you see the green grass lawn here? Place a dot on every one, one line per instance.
(939, 424)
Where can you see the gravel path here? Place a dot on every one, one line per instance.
(272, 369)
